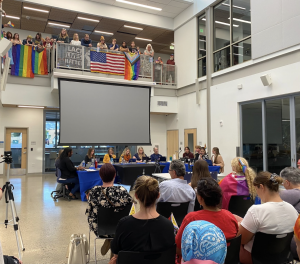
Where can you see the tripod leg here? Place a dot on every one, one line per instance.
(15, 228)
(17, 221)
(6, 214)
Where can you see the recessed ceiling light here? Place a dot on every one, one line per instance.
(226, 24)
(89, 19)
(11, 17)
(140, 5)
(104, 33)
(143, 39)
(35, 9)
(29, 106)
(133, 27)
(241, 20)
(59, 25)
(238, 7)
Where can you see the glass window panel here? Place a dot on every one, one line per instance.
(222, 59)
(278, 134)
(202, 36)
(241, 51)
(252, 135)
(50, 135)
(16, 150)
(202, 67)
(221, 25)
(297, 110)
(241, 19)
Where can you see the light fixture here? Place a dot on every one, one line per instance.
(238, 54)
(226, 24)
(143, 39)
(59, 25)
(238, 46)
(202, 49)
(89, 19)
(202, 40)
(29, 106)
(238, 7)
(13, 17)
(133, 27)
(35, 9)
(140, 5)
(241, 20)
(104, 33)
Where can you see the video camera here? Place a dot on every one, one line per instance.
(7, 157)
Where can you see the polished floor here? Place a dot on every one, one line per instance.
(46, 225)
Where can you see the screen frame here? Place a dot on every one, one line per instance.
(102, 143)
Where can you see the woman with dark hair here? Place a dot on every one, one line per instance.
(133, 48)
(187, 153)
(209, 195)
(16, 39)
(124, 47)
(9, 36)
(89, 156)
(200, 171)
(203, 155)
(146, 230)
(217, 159)
(38, 39)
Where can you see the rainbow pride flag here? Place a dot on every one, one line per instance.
(39, 62)
(132, 66)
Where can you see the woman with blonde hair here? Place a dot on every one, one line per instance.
(63, 37)
(217, 159)
(102, 44)
(200, 171)
(75, 40)
(239, 182)
(149, 51)
(110, 155)
(89, 156)
(139, 155)
(126, 155)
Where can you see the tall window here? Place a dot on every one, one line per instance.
(232, 37)
(202, 46)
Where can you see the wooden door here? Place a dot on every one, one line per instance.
(190, 138)
(172, 143)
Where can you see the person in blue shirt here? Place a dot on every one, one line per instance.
(113, 45)
(86, 41)
(155, 156)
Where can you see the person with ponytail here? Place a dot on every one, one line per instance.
(239, 182)
(146, 230)
(217, 159)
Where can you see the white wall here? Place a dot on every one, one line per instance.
(171, 108)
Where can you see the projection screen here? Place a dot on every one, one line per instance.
(103, 113)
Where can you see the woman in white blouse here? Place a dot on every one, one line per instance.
(75, 40)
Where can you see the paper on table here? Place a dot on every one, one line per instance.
(90, 170)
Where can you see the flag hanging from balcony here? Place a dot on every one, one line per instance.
(132, 66)
(107, 62)
(39, 62)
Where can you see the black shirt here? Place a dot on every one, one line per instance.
(133, 49)
(67, 168)
(87, 159)
(143, 235)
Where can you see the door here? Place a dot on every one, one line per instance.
(16, 142)
(172, 143)
(190, 138)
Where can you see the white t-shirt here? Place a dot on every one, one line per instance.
(269, 218)
(75, 42)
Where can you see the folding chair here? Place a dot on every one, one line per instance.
(179, 210)
(233, 250)
(239, 205)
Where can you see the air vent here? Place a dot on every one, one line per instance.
(162, 103)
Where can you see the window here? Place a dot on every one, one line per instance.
(202, 46)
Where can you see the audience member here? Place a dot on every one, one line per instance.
(158, 70)
(106, 196)
(48, 43)
(4, 34)
(38, 40)
(177, 190)
(89, 156)
(297, 235)
(63, 37)
(171, 69)
(110, 155)
(187, 153)
(202, 154)
(211, 250)
(155, 156)
(126, 155)
(9, 35)
(274, 216)
(102, 44)
(86, 41)
(209, 196)
(124, 47)
(114, 45)
(217, 159)
(146, 230)
(16, 39)
(75, 40)
(239, 182)
(197, 152)
(28, 41)
(200, 171)
(10, 38)
(59, 186)
(138, 49)
(149, 51)
(133, 48)
(139, 155)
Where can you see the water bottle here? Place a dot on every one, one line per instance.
(83, 164)
(111, 161)
(143, 171)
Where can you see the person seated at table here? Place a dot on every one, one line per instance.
(146, 230)
(59, 186)
(139, 155)
(126, 155)
(177, 190)
(200, 171)
(187, 153)
(273, 216)
(69, 172)
(155, 156)
(202, 154)
(106, 196)
(197, 152)
(239, 182)
(214, 252)
(89, 156)
(217, 159)
(110, 155)
(209, 195)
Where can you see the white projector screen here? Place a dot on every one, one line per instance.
(103, 113)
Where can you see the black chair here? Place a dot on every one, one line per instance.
(58, 194)
(164, 257)
(233, 250)
(197, 206)
(240, 204)
(272, 249)
(179, 210)
(188, 176)
(108, 220)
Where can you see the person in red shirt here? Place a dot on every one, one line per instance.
(171, 69)
(187, 153)
(209, 195)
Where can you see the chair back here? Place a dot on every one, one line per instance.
(188, 176)
(271, 249)
(209, 162)
(108, 219)
(163, 257)
(197, 206)
(233, 250)
(239, 205)
(179, 210)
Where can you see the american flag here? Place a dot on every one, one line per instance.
(109, 63)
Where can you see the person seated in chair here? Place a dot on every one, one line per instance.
(140, 155)
(177, 189)
(89, 156)
(202, 154)
(146, 230)
(197, 152)
(187, 153)
(126, 155)
(59, 186)
(155, 156)
(274, 216)
(110, 155)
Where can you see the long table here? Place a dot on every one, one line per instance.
(190, 169)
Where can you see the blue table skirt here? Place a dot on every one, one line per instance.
(210, 168)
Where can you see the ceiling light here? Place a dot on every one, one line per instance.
(143, 39)
(241, 20)
(218, 22)
(136, 4)
(35, 9)
(202, 40)
(133, 27)
(89, 19)
(238, 54)
(238, 46)
(104, 33)
(11, 17)
(202, 49)
(238, 7)
(59, 25)
(29, 106)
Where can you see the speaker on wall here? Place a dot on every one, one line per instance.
(266, 79)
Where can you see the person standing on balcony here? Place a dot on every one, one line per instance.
(63, 37)
(48, 43)
(158, 70)
(102, 44)
(171, 69)
(16, 39)
(86, 41)
(38, 39)
(133, 48)
(114, 45)
(124, 47)
(28, 41)
(149, 51)
(75, 40)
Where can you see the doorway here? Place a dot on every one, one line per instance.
(16, 142)
(190, 138)
(172, 143)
